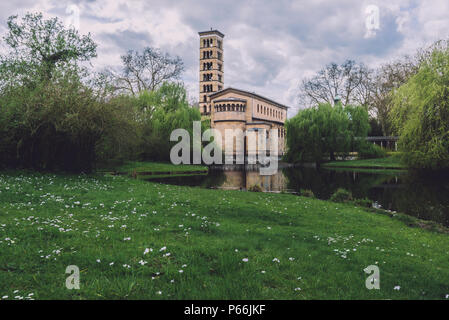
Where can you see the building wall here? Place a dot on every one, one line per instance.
(258, 114)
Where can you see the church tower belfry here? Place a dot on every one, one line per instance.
(211, 68)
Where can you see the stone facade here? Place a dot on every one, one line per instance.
(232, 108)
(211, 67)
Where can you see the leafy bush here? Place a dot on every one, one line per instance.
(371, 151)
(365, 202)
(53, 125)
(341, 195)
(255, 188)
(307, 193)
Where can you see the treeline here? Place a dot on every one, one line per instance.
(57, 114)
(408, 97)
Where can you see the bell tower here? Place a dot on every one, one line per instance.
(211, 67)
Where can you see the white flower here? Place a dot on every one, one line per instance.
(181, 271)
(276, 260)
(291, 259)
(163, 249)
(447, 296)
(263, 271)
(159, 292)
(245, 259)
(142, 262)
(397, 288)
(127, 239)
(147, 250)
(184, 265)
(5, 297)
(98, 260)
(112, 263)
(297, 289)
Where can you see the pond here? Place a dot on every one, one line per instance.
(421, 196)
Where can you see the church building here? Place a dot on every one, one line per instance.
(231, 108)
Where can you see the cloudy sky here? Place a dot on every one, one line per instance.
(269, 46)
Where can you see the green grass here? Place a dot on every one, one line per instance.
(391, 162)
(380, 171)
(48, 222)
(155, 168)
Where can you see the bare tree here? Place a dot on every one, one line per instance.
(350, 81)
(147, 70)
(389, 77)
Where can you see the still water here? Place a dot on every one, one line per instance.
(424, 197)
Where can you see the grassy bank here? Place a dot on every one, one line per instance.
(133, 239)
(154, 168)
(391, 162)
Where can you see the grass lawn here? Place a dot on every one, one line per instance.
(156, 168)
(391, 162)
(139, 240)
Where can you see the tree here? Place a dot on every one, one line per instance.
(420, 114)
(389, 77)
(147, 71)
(49, 119)
(54, 125)
(39, 46)
(162, 111)
(320, 132)
(350, 81)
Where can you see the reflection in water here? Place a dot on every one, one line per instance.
(422, 197)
